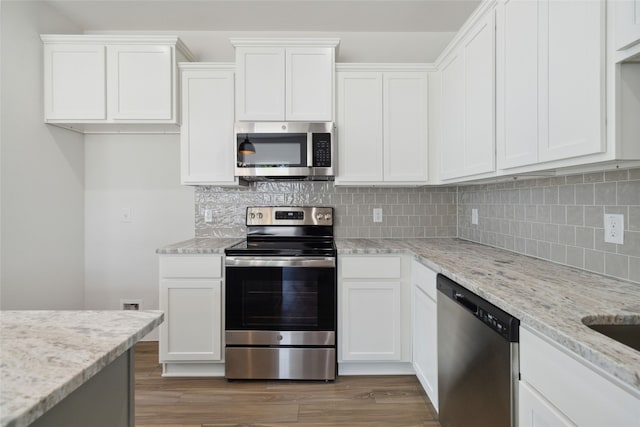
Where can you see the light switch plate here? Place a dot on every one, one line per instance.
(377, 214)
(614, 228)
(125, 215)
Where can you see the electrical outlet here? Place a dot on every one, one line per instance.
(208, 215)
(614, 229)
(125, 215)
(377, 214)
(130, 304)
(474, 216)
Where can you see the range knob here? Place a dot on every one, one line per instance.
(319, 217)
(327, 217)
(260, 215)
(252, 216)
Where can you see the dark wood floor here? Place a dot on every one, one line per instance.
(349, 401)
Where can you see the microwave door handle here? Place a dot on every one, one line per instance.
(310, 149)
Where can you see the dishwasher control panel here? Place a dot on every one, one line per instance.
(494, 322)
(494, 317)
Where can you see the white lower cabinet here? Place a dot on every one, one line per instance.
(535, 411)
(374, 325)
(558, 388)
(425, 329)
(191, 291)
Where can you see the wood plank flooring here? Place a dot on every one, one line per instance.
(358, 401)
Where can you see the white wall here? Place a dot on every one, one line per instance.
(42, 169)
(141, 172)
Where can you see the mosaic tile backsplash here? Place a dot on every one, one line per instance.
(406, 212)
(560, 219)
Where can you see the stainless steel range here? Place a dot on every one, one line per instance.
(280, 296)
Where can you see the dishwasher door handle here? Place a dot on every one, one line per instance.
(462, 300)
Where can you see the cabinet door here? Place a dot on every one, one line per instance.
(359, 127)
(193, 320)
(535, 411)
(140, 82)
(309, 84)
(425, 342)
(371, 321)
(627, 23)
(479, 96)
(517, 83)
(261, 87)
(572, 66)
(452, 116)
(206, 135)
(74, 77)
(405, 127)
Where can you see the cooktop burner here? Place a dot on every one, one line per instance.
(287, 231)
(283, 247)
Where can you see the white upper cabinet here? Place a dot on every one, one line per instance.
(468, 103)
(382, 125)
(627, 24)
(309, 83)
(551, 81)
(405, 126)
(141, 87)
(285, 79)
(261, 77)
(206, 135)
(359, 127)
(96, 83)
(74, 81)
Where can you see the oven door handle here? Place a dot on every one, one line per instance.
(247, 261)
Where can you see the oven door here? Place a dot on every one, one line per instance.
(280, 294)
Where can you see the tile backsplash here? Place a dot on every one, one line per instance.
(406, 212)
(559, 219)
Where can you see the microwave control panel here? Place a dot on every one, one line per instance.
(322, 150)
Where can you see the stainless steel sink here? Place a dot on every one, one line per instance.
(626, 332)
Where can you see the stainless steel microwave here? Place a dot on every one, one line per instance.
(285, 150)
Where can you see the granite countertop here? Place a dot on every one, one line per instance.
(199, 245)
(549, 298)
(46, 355)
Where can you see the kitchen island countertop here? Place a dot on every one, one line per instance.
(46, 355)
(547, 297)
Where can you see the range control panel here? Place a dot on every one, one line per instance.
(289, 215)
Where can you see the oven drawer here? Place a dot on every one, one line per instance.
(191, 266)
(280, 363)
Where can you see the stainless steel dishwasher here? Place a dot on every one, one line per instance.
(478, 361)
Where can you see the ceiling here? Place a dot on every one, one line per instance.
(268, 15)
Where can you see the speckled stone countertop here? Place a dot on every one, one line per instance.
(199, 245)
(550, 298)
(46, 355)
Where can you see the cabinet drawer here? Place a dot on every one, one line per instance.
(370, 267)
(583, 395)
(424, 278)
(191, 266)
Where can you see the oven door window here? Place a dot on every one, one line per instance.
(280, 298)
(275, 150)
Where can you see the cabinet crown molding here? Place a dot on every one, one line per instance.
(222, 66)
(424, 67)
(120, 39)
(485, 7)
(285, 42)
